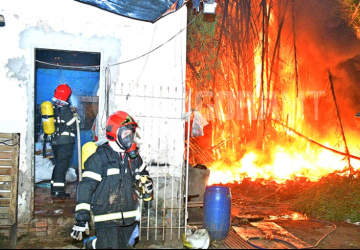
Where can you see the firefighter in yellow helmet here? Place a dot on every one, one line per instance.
(114, 177)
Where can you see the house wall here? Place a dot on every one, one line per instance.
(70, 25)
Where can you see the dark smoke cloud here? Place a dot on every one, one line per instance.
(321, 29)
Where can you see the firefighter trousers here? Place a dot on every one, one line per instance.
(62, 157)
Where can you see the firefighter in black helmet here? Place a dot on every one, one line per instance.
(110, 188)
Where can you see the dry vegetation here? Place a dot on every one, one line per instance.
(334, 198)
(351, 13)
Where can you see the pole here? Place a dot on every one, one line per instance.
(78, 144)
(187, 164)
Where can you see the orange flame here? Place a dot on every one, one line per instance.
(267, 95)
(285, 164)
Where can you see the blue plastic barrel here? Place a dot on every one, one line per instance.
(217, 211)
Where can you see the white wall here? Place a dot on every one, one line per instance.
(70, 25)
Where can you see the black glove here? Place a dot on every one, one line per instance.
(79, 229)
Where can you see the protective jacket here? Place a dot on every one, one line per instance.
(65, 126)
(107, 188)
(62, 142)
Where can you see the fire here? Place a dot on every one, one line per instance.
(285, 164)
(278, 72)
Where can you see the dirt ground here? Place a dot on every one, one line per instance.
(249, 204)
(346, 236)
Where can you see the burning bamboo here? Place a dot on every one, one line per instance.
(340, 123)
(205, 156)
(264, 49)
(320, 145)
(295, 53)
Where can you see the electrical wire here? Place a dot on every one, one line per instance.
(64, 66)
(284, 241)
(108, 67)
(159, 45)
(98, 66)
(142, 71)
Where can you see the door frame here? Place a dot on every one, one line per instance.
(26, 208)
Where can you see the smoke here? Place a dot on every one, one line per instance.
(327, 43)
(323, 33)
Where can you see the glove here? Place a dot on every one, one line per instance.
(144, 189)
(147, 190)
(79, 229)
(148, 185)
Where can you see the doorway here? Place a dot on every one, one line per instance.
(81, 72)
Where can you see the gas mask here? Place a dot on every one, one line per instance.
(59, 103)
(126, 140)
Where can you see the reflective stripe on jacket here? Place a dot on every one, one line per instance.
(65, 126)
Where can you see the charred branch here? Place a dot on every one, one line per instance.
(295, 52)
(340, 122)
(316, 143)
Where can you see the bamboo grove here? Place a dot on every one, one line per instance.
(253, 78)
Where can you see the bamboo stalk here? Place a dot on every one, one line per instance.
(203, 154)
(262, 105)
(318, 144)
(340, 122)
(276, 54)
(295, 62)
(295, 53)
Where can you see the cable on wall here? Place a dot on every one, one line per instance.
(159, 45)
(97, 67)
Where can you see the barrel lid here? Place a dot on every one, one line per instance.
(218, 188)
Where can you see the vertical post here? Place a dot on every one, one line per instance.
(78, 143)
(187, 163)
(172, 201)
(107, 88)
(157, 190)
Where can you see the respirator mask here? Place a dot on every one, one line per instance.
(126, 140)
(58, 102)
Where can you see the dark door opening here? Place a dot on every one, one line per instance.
(81, 71)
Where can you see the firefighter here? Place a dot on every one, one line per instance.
(62, 140)
(113, 179)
